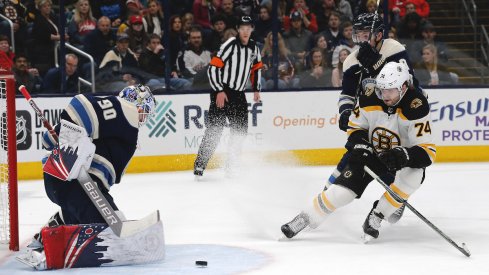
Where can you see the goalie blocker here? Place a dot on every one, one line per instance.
(95, 245)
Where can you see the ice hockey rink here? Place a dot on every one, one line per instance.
(234, 224)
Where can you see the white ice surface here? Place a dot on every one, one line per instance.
(225, 221)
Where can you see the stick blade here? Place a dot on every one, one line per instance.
(132, 227)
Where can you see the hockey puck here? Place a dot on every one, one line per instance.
(201, 263)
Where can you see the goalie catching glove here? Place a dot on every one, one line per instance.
(74, 152)
(395, 159)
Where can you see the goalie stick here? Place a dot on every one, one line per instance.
(120, 228)
(462, 248)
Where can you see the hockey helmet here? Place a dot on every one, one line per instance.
(364, 22)
(142, 97)
(245, 20)
(393, 75)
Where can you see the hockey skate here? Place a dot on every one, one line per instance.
(372, 224)
(34, 258)
(296, 225)
(396, 216)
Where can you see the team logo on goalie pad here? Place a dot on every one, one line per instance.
(95, 245)
(60, 162)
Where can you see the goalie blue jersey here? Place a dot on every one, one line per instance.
(112, 123)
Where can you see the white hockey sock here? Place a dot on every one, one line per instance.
(387, 204)
(328, 201)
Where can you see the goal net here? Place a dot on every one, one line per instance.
(9, 233)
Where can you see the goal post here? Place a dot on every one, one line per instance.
(9, 222)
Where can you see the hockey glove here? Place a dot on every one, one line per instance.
(370, 59)
(344, 118)
(395, 159)
(360, 154)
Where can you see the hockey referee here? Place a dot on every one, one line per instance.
(238, 60)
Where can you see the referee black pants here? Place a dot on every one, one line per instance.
(236, 112)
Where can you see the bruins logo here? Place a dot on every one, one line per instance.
(416, 103)
(384, 139)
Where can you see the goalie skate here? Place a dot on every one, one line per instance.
(371, 225)
(34, 258)
(296, 225)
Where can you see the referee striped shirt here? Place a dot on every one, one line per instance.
(234, 64)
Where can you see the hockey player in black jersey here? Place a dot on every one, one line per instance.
(390, 131)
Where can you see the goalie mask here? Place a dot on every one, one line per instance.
(142, 97)
(362, 26)
(393, 76)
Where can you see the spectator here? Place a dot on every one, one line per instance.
(395, 7)
(115, 10)
(392, 34)
(29, 77)
(82, 24)
(101, 40)
(323, 11)
(345, 42)
(264, 24)
(44, 33)
(410, 29)
(344, 9)
(134, 7)
(52, 79)
(371, 6)
(421, 7)
(187, 23)
(321, 43)
(6, 55)
(138, 38)
(153, 20)
(298, 40)
(429, 37)
(245, 7)
(286, 71)
(307, 18)
(176, 42)
(152, 61)
(429, 72)
(229, 33)
(214, 39)
(204, 10)
(195, 60)
(337, 74)
(117, 67)
(16, 12)
(318, 75)
(332, 33)
(227, 9)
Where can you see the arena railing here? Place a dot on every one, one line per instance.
(88, 56)
(471, 14)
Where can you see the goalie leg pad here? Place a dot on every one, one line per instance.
(95, 245)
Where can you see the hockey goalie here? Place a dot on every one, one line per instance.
(89, 150)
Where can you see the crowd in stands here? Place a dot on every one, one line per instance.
(125, 39)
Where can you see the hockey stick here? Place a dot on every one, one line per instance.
(462, 248)
(376, 15)
(120, 228)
